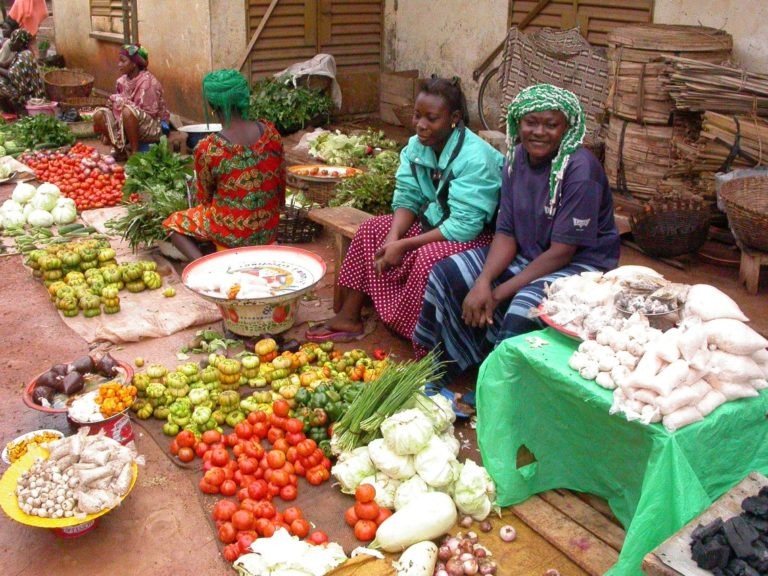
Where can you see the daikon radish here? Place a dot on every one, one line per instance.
(426, 518)
(677, 399)
(668, 379)
(712, 400)
(666, 347)
(733, 336)
(680, 418)
(418, 560)
(709, 303)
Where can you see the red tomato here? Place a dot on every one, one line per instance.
(185, 439)
(268, 529)
(365, 493)
(251, 505)
(350, 517)
(306, 447)
(242, 494)
(244, 430)
(247, 465)
(280, 478)
(267, 510)
(365, 530)
(174, 448)
(201, 448)
(223, 509)
(231, 552)
(253, 449)
(318, 537)
(207, 488)
(299, 527)
(232, 439)
(275, 459)
(294, 426)
(292, 513)
(186, 454)
(257, 416)
(299, 468)
(247, 480)
(317, 475)
(244, 541)
(238, 450)
(219, 457)
(260, 429)
(281, 408)
(289, 493)
(274, 434)
(367, 511)
(215, 476)
(384, 513)
(294, 439)
(242, 520)
(228, 488)
(227, 532)
(281, 444)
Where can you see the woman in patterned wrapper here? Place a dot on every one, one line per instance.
(446, 194)
(240, 176)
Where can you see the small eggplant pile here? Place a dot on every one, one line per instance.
(69, 379)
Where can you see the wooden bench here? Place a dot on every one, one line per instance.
(342, 222)
(749, 271)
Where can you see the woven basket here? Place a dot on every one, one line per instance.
(746, 204)
(295, 227)
(405, 116)
(317, 192)
(671, 229)
(63, 85)
(85, 102)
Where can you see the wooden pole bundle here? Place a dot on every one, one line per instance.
(701, 86)
(636, 54)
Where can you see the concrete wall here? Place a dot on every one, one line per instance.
(745, 20)
(185, 39)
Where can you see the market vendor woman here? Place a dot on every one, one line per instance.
(446, 194)
(21, 80)
(555, 219)
(137, 111)
(240, 176)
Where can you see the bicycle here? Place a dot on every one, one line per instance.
(489, 94)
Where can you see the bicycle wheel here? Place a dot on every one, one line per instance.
(489, 101)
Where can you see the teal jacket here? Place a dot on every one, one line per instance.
(473, 195)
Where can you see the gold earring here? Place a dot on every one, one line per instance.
(453, 125)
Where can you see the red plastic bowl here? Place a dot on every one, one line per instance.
(27, 395)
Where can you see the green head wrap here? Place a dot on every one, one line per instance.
(226, 90)
(541, 98)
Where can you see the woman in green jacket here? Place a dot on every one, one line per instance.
(446, 195)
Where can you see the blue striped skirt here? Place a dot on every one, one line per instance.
(440, 326)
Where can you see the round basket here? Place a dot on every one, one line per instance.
(295, 227)
(672, 230)
(63, 85)
(746, 204)
(314, 190)
(405, 116)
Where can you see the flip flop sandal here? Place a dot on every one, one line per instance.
(333, 336)
(431, 389)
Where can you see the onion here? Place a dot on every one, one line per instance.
(442, 572)
(466, 545)
(507, 533)
(480, 552)
(472, 537)
(551, 572)
(454, 567)
(466, 556)
(486, 526)
(466, 522)
(486, 567)
(108, 159)
(453, 544)
(470, 566)
(443, 553)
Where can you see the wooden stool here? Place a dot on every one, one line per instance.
(342, 222)
(749, 271)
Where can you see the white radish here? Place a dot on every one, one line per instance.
(418, 560)
(426, 518)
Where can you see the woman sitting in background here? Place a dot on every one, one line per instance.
(21, 80)
(137, 112)
(240, 176)
(446, 194)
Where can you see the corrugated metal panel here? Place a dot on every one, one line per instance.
(594, 17)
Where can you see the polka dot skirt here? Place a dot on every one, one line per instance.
(398, 293)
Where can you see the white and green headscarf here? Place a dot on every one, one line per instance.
(541, 98)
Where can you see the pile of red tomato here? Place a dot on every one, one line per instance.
(254, 474)
(90, 179)
(366, 515)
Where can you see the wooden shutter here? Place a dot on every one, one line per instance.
(594, 17)
(108, 16)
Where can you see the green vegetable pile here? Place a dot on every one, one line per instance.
(160, 178)
(372, 190)
(350, 150)
(289, 108)
(40, 131)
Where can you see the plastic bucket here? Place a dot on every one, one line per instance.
(117, 427)
(47, 108)
(75, 531)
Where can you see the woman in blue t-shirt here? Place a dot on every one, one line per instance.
(555, 219)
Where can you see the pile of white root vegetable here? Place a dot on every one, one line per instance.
(680, 376)
(82, 475)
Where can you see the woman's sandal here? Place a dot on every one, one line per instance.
(332, 335)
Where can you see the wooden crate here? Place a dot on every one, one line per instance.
(397, 89)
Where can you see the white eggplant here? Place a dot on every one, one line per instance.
(428, 517)
(418, 560)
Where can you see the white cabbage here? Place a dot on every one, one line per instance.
(410, 490)
(435, 463)
(44, 201)
(407, 432)
(393, 465)
(13, 220)
(11, 205)
(40, 218)
(386, 488)
(352, 467)
(438, 409)
(474, 491)
(449, 439)
(49, 189)
(65, 211)
(23, 192)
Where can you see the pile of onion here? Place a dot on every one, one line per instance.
(463, 556)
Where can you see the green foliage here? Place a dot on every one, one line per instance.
(41, 131)
(287, 107)
(159, 166)
(372, 190)
(350, 150)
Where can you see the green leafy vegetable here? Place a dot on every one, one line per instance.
(350, 150)
(289, 108)
(370, 191)
(40, 131)
(159, 166)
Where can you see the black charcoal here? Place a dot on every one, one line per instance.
(741, 535)
(702, 532)
(711, 554)
(757, 505)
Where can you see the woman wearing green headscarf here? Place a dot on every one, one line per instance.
(240, 176)
(555, 219)
(137, 111)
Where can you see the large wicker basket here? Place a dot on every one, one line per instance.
(671, 228)
(64, 84)
(746, 204)
(315, 191)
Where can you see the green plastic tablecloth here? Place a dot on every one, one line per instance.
(654, 481)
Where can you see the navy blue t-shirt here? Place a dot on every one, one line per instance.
(584, 215)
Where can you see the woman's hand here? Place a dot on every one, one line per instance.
(479, 305)
(390, 254)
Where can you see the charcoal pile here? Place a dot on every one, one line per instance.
(737, 546)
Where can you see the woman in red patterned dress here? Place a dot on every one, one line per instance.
(240, 176)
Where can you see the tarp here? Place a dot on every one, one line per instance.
(654, 481)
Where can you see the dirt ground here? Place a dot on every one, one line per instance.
(163, 527)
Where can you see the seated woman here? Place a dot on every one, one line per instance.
(21, 80)
(137, 112)
(240, 176)
(446, 194)
(555, 219)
